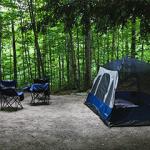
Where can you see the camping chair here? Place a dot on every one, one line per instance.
(10, 98)
(40, 92)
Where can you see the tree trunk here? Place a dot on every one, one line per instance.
(88, 55)
(39, 57)
(60, 77)
(122, 43)
(51, 70)
(126, 44)
(28, 61)
(67, 59)
(0, 48)
(23, 50)
(14, 51)
(78, 59)
(108, 59)
(73, 70)
(10, 65)
(104, 50)
(44, 51)
(142, 50)
(63, 69)
(133, 42)
(36, 44)
(118, 42)
(98, 54)
(113, 44)
(83, 62)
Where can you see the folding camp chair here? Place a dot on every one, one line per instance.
(10, 98)
(40, 92)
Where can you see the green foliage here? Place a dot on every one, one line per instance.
(111, 28)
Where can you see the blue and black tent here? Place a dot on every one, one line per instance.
(120, 94)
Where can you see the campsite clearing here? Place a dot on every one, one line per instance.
(65, 124)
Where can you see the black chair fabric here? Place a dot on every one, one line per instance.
(10, 98)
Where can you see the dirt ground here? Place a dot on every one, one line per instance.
(65, 124)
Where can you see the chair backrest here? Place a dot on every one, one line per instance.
(39, 87)
(45, 86)
(41, 81)
(8, 92)
(8, 84)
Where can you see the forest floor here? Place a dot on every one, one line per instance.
(65, 124)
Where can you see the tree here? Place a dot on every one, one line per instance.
(71, 38)
(0, 46)
(35, 31)
(14, 50)
(133, 41)
(72, 13)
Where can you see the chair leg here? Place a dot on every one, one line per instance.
(19, 103)
(11, 102)
(39, 97)
(34, 96)
(3, 102)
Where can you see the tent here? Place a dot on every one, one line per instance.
(120, 94)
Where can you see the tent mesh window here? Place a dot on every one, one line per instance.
(95, 84)
(134, 78)
(134, 75)
(110, 92)
(103, 86)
